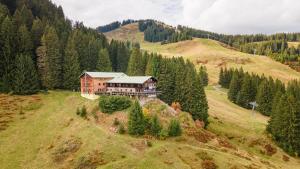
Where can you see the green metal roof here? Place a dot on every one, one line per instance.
(130, 79)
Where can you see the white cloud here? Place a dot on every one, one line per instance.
(224, 16)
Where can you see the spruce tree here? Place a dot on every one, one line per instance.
(264, 98)
(25, 76)
(7, 53)
(136, 121)
(135, 65)
(37, 32)
(71, 67)
(244, 95)
(203, 76)
(221, 77)
(155, 126)
(234, 87)
(198, 106)
(25, 45)
(52, 76)
(104, 64)
(174, 128)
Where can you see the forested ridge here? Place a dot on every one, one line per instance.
(275, 99)
(42, 49)
(275, 45)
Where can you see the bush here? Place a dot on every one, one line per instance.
(155, 126)
(110, 104)
(121, 129)
(81, 112)
(174, 128)
(163, 134)
(116, 122)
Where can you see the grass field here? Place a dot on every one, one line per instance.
(210, 53)
(53, 136)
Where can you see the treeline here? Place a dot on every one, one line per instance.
(273, 99)
(114, 25)
(159, 32)
(41, 49)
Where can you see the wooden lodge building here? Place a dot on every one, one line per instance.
(111, 83)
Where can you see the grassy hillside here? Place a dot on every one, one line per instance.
(51, 135)
(209, 52)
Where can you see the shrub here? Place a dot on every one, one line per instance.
(155, 126)
(174, 128)
(121, 129)
(208, 164)
(163, 134)
(110, 104)
(83, 111)
(116, 122)
(149, 143)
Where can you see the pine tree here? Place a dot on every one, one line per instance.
(174, 128)
(135, 65)
(52, 75)
(244, 95)
(136, 121)
(203, 76)
(264, 98)
(7, 53)
(25, 45)
(198, 106)
(104, 64)
(234, 87)
(37, 32)
(71, 67)
(155, 126)
(221, 77)
(25, 76)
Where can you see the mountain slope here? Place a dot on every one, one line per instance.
(53, 136)
(209, 52)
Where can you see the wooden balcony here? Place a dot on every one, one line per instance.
(123, 93)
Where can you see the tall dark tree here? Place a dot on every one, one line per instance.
(25, 76)
(234, 87)
(25, 45)
(135, 65)
(203, 76)
(104, 64)
(136, 121)
(37, 31)
(71, 67)
(52, 76)
(244, 96)
(264, 98)
(7, 53)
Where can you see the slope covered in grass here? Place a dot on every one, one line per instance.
(53, 136)
(211, 53)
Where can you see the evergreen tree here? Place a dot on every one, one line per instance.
(155, 126)
(71, 68)
(104, 64)
(25, 76)
(52, 76)
(136, 121)
(221, 77)
(135, 65)
(25, 45)
(203, 76)
(174, 128)
(7, 53)
(37, 32)
(198, 106)
(264, 98)
(244, 95)
(234, 87)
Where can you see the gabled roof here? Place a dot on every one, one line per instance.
(131, 79)
(105, 74)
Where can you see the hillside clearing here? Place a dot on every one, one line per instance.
(54, 127)
(210, 53)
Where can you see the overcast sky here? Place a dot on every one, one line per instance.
(223, 16)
